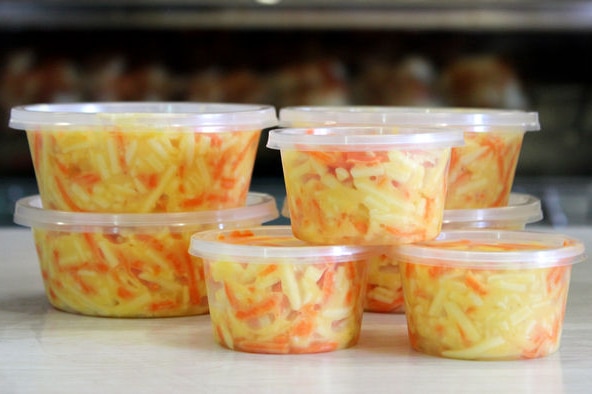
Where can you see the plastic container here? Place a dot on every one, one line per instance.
(365, 185)
(272, 293)
(481, 172)
(385, 291)
(128, 265)
(143, 157)
(522, 209)
(487, 294)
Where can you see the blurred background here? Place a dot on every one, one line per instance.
(515, 54)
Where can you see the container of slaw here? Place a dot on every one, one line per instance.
(270, 292)
(481, 172)
(385, 291)
(128, 265)
(487, 294)
(143, 157)
(365, 185)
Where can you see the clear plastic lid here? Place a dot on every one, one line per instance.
(494, 249)
(521, 208)
(153, 114)
(259, 208)
(473, 119)
(362, 138)
(277, 244)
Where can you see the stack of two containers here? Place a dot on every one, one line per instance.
(382, 189)
(123, 186)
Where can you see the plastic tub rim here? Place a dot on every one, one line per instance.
(223, 116)
(29, 212)
(476, 119)
(362, 138)
(564, 251)
(204, 245)
(522, 208)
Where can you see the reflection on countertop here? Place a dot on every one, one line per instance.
(565, 200)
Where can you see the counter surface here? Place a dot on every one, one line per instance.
(43, 350)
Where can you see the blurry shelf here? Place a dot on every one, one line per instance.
(487, 15)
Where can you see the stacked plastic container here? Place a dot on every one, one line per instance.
(480, 286)
(123, 186)
(270, 292)
(384, 289)
(304, 288)
(145, 211)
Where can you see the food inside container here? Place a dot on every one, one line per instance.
(272, 293)
(385, 290)
(365, 185)
(487, 294)
(128, 265)
(481, 171)
(143, 157)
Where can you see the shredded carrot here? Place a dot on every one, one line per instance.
(472, 282)
(227, 182)
(269, 269)
(63, 169)
(436, 271)
(327, 282)
(555, 278)
(66, 197)
(277, 347)
(37, 149)
(323, 157)
(232, 299)
(266, 306)
(124, 293)
(190, 203)
(215, 140)
(151, 241)
(159, 306)
(94, 248)
(150, 180)
(121, 148)
(237, 158)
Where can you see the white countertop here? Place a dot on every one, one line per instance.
(43, 350)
